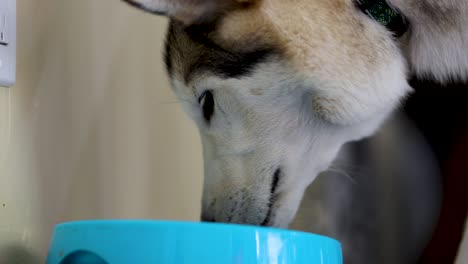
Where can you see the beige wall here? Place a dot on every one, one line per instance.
(92, 129)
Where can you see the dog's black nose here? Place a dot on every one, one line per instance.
(207, 219)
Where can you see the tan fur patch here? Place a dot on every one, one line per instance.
(325, 41)
(314, 34)
(339, 52)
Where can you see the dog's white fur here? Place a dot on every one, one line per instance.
(339, 75)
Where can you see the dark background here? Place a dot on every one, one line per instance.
(441, 113)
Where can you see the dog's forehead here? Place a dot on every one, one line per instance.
(318, 38)
(200, 49)
(189, 51)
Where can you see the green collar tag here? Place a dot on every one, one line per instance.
(382, 12)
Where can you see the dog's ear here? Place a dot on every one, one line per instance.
(188, 11)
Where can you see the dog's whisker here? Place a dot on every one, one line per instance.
(342, 173)
(177, 101)
(185, 100)
(166, 103)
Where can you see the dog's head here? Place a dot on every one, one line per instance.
(276, 88)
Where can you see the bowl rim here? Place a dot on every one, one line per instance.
(191, 224)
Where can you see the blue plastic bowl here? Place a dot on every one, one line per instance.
(167, 242)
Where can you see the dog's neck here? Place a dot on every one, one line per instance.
(386, 15)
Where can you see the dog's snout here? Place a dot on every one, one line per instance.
(245, 205)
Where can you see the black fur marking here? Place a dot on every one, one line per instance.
(224, 63)
(167, 55)
(274, 187)
(205, 55)
(140, 6)
(276, 178)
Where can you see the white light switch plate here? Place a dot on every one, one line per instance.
(7, 42)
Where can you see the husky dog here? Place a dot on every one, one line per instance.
(277, 87)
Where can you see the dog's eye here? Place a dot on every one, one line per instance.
(206, 100)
